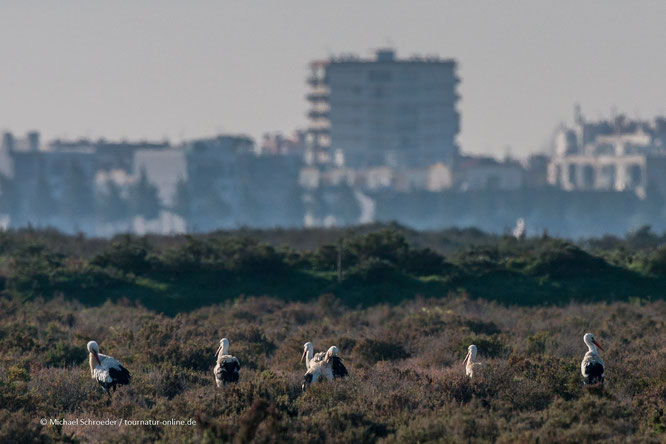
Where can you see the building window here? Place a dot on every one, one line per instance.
(608, 176)
(635, 176)
(588, 177)
(572, 174)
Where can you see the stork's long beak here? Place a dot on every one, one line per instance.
(597, 344)
(304, 353)
(466, 359)
(218, 350)
(97, 357)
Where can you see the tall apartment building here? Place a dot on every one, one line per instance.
(384, 111)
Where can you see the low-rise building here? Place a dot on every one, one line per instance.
(611, 155)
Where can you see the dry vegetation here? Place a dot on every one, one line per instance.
(513, 299)
(407, 383)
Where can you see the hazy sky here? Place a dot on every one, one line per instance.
(182, 69)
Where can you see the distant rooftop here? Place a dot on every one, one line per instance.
(59, 144)
(382, 55)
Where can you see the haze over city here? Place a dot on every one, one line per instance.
(181, 70)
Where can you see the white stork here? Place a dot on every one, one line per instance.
(310, 356)
(105, 369)
(334, 362)
(592, 367)
(228, 368)
(328, 368)
(472, 366)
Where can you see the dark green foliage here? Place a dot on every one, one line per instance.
(195, 255)
(126, 255)
(250, 258)
(426, 262)
(656, 262)
(33, 270)
(387, 245)
(372, 270)
(562, 260)
(379, 265)
(65, 353)
(325, 258)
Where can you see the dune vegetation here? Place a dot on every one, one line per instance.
(402, 314)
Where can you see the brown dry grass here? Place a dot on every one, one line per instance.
(407, 382)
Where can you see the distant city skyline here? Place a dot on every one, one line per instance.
(177, 70)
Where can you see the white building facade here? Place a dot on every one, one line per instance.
(612, 155)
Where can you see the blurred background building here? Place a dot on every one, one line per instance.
(384, 111)
(618, 154)
(380, 146)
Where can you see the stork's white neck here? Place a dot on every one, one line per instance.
(471, 356)
(309, 353)
(93, 364)
(591, 348)
(224, 348)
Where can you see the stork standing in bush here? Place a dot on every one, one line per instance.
(592, 367)
(310, 356)
(328, 368)
(334, 362)
(472, 366)
(228, 368)
(106, 370)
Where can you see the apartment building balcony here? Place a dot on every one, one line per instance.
(319, 114)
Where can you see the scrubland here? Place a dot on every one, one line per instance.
(525, 303)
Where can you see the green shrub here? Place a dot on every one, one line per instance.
(371, 270)
(32, 272)
(18, 373)
(127, 255)
(426, 262)
(565, 260)
(385, 245)
(656, 262)
(195, 256)
(325, 258)
(369, 351)
(536, 344)
(64, 353)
